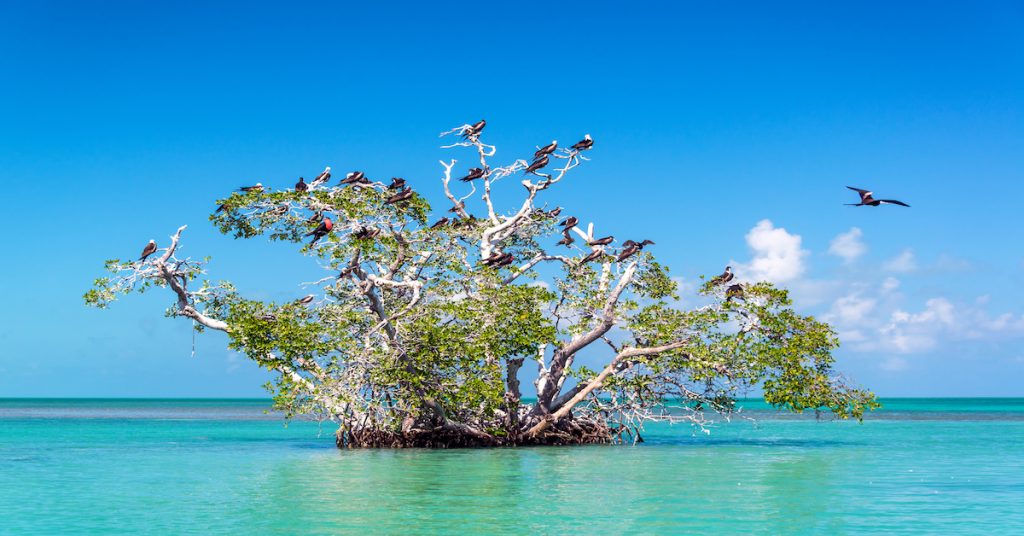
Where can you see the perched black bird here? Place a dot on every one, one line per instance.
(317, 216)
(148, 250)
(400, 196)
(221, 208)
(440, 223)
(596, 254)
(321, 178)
(345, 272)
(355, 177)
(301, 186)
(584, 144)
(474, 173)
(734, 291)
(537, 164)
(554, 212)
(458, 206)
(254, 188)
(505, 260)
(546, 150)
(569, 222)
(366, 232)
(493, 258)
(397, 183)
(474, 130)
(867, 200)
(321, 230)
(601, 241)
(724, 278)
(305, 300)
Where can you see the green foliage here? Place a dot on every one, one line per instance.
(446, 345)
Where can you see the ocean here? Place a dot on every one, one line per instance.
(918, 466)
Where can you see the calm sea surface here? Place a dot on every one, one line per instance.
(919, 466)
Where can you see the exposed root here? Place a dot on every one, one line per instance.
(564, 432)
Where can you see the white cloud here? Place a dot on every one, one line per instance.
(903, 263)
(890, 284)
(777, 254)
(852, 308)
(848, 245)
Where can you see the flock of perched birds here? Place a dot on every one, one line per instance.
(541, 158)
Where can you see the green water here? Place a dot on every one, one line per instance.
(922, 466)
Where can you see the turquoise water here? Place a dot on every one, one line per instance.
(919, 466)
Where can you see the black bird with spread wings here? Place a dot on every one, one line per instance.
(866, 199)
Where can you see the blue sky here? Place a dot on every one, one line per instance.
(726, 132)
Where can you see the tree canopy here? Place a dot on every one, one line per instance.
(422, 328)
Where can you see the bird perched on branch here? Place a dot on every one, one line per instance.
(724, 277)
(366, 232)
(400, 196)
(867, 200)
(474, 173)
(734, 291)
(254, 188)
(474, 130)
(321, 230)
(492, 258)
(585, 144)
(537, 164)
(505, 260)
(569, 222)
(546, 150)
(554, 212)
(596, 254)
(355, 177)
(458, 206)
(397, 183)
(148, 250)
(601, 241)
(631, 248)
(305, 300)
(440, 223)
(321, 178)
(301, 186)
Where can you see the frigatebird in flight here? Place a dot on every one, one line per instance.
(537, 164)
(867, 200)
(148, 250)
(601, 241)
(474, 173)
(474, 130)
(569, 222)
(397, 183)
(301, 186)
(724, 277)
(586, 143)
(546, 150)
(321, 230)
(321, 178)
(566, 239)
(305, 300)
(254, 188)
(400, 196)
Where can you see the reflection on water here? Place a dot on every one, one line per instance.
(218, 467)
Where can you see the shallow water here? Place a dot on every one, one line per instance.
(919, 466)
